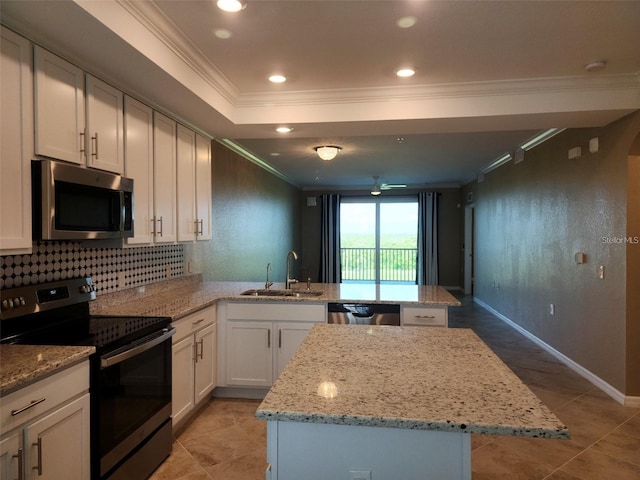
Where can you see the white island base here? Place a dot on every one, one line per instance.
(317, 451)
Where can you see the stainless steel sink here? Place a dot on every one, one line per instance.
(260, 292)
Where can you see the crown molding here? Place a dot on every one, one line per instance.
(575, 84)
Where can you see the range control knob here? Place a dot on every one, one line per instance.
(87, 288)
(5, 304)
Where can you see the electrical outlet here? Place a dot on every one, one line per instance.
(552, 309)
(359, 474)
(121, 279)
(168, 271)
(189, 266)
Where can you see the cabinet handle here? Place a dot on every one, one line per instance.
(201, 231)
(153, 226)
(20, 457)
(31, 405)
(279, 338)
(96, 145)
(38, 445)
(161, 227)
(197, 322)
(424, 316)
(268, 338)
(201, 355)
(83, 142)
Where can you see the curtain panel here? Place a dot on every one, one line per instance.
(427, 238)
(330, 242)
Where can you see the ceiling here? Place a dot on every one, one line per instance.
(489, 75)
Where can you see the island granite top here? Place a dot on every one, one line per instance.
(179, 297)
(406, 377)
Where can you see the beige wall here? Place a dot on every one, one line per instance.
(255, 221)
(531, 219)
(448, 224)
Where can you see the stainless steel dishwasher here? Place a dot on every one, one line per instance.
(364, 313)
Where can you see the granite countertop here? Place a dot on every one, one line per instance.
(179, 297)
(406, 377)
(21, 365)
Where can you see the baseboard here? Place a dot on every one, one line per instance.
(617, 395)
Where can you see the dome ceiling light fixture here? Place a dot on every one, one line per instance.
(327, 152)
(596, 65)
(375, 190)
(231, 5)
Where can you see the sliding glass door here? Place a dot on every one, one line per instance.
(379, 239)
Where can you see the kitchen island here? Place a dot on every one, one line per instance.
(393, 402)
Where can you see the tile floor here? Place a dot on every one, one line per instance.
(225, 442)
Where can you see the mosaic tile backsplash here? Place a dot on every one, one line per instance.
(112, 269)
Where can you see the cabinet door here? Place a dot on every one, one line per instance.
(203, 188)
(105, 148)
(59, 108)
(58, 444)
(290, 337)
(182, 400)
(186, 175)
(10, 457)
(164, 178)
(249, 359)
(138, 165)
(16, 147)
(205, 379)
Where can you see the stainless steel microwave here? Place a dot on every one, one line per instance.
(75, 203)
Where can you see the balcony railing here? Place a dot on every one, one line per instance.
(396, 264)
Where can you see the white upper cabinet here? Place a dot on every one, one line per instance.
(105, 146)
(138, 146)
(203, 188)
(16, 142)
(59, 108)
(187, 223)
(164, 179)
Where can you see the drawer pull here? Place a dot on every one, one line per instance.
(31, 405)
(38, 445)
(424, 316)
(197, 322)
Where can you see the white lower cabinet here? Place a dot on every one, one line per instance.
(47, 427)
(260, 339)
(194, 362)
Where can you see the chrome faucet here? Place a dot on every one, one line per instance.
(267, 284)
(290, 281)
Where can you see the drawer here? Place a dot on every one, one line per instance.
(425, 316)
(193, 322)
(55, 390)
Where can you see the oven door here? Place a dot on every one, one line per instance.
(133, 397)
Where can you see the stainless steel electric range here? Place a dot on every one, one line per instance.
(130, 384)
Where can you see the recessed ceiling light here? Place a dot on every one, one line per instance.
(274, 154)
(406, 22)
(231, 5)
(405, 72)
(277, 78)
(596, 65)
(283, 129)
(222, 33)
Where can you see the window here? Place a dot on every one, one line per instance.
(379, 239)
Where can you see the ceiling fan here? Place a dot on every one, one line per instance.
(377, 189)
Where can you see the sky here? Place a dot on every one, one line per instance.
(396, 218)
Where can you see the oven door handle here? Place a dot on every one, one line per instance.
(108, 361)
